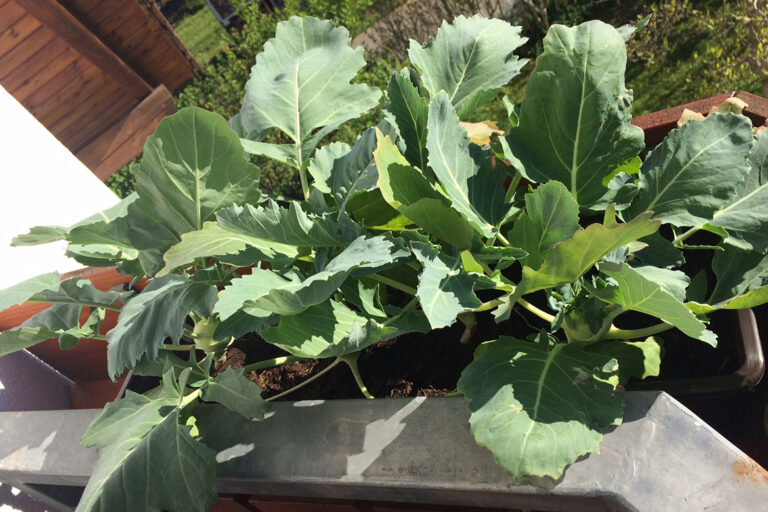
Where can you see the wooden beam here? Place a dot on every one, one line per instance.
(58, 19)
(124, 140)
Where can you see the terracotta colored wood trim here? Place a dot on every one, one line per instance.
(54, 16)
(94, 394)
(124, 140)
(167, 29)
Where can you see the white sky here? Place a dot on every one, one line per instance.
(41, 183)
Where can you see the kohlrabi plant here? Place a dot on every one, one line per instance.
(404, 232)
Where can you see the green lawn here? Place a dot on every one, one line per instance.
(202, 34)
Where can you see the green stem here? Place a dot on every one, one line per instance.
(304, 183)
(271, 363)
(536, 311)
(615, 333)
(177, 348)
(301, 385)
(189, 399)
(485, 306)
(512, 187)
(681, 238)
(351, 360)
(503, 239)
(394, 284)
(97, 337)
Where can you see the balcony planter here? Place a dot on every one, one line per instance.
(541, 399)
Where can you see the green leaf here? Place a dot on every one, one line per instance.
(23, 337)
(372, 210)
(410, 112)
(539, 406)
(407, 190)
(152, 468)
(235, 392)
(326, 330)
(80, 292)
(638, 359)
(445, 289)
(473, 183)
(263, 291)
(742, 281)
(673, 282)
(214, 240)
(166, 360)
(659, 252)
(40, 235)
(551, 216)
(364, 295)
(24, 290)
(575, 116)
(355, 172)
(635, 292)
(569, 260)
(468, 60)
(322, 163)
(284, 226)
(695, 171)
(156, 313)
(300, 84)
(746, 216)
(193, 166)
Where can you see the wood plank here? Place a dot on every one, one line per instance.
(757, 107)
(94, 394)
(107, 112)
(23, 52)
(57, 18)
(10, 13)
(125, 140)
(76, 74)
(38, 72)
(17, 32)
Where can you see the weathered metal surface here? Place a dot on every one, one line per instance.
(420, 450)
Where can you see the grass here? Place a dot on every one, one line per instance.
(202, 35)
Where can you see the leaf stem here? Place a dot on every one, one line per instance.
(189, 399)
(177, 348)
(615, 333)
(351, 360)
(681, 238)
(394, 284)
(485, 306)
(503, 239)
(271, 363)
(112, 307)
(302, 384)
(536, 311)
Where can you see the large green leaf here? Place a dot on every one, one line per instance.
(322, 163)
(155, 314)
(695, 171)
(742, 281)
(575, 116)
(407, 190)
(445, 289)
(410, 112)
(569, 260)
(355, 172)
(551, 216)
(539, 406)
(213, 240)
(24, 290)
(264, 292)
(746, 217)
(474, 185)
(300, 84)
(326, 330)
(635, 292)
(152, 465)
(23, 337)
(193, 166)
(40, 235)
(468, 60)
(290, 226)
(80, 292)
(235, 392)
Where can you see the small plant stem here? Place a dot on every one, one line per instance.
(189, 399)
(503, 239)
(394, 284)
(512, 187)
(97, 337)
(304, 184)
(177, 348)
(536, 311)
(485, 306)
(351, 360)
(615, 333)
(301, 385)
(271, 363)
(681, 238)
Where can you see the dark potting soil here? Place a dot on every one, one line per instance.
(431, 364)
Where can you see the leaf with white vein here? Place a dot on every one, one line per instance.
(539, 406)
(469, 60)
(236, 392)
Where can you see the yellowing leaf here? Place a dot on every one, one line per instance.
(480, 133)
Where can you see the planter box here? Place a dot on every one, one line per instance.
(420, 450)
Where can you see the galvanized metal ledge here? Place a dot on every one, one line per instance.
(420, 450)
